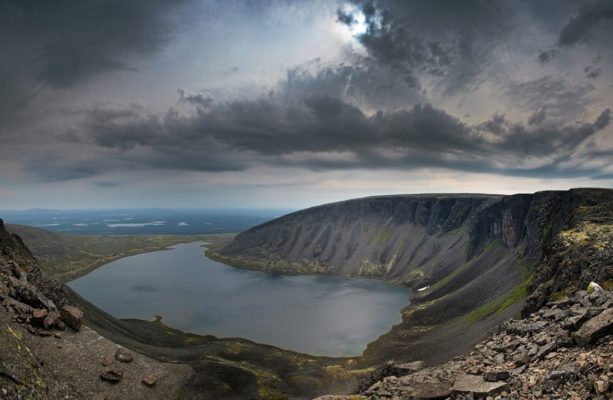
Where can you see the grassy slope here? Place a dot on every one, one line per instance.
(67, 257)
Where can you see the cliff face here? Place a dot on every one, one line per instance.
(390, 237)
(479, 256)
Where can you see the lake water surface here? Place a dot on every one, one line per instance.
(320, 315)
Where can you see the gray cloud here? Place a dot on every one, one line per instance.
(448, 39)
(565, 101)
(592, 72)
(57, 45)
(589, 18)
(304, 132)
(545, 56)
(386, 104)
(195, 99)
(77, 41)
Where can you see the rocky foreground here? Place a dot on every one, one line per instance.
(47, 353)
(562, 351)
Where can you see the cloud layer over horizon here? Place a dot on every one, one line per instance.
(300, 102)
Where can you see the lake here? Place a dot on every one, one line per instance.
(319, 315)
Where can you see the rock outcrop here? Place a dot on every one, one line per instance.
(549, 355)
(39, 359)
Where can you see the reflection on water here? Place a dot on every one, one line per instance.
(319, 315)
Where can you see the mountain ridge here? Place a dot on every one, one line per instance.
(478, 256)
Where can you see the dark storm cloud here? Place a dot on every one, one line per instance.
(305, 132)
(77, 40)
(451, 39)
(58, 44)
(589, 18)
(324, 115)
(366, 83)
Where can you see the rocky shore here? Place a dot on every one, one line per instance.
(562, 351)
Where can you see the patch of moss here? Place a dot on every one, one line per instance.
(442, 282)
(499, 304)
(401, 244)
(493, 243)
(384, 236)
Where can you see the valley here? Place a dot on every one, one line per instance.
(483, 260)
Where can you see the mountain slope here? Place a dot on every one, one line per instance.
(479, 256)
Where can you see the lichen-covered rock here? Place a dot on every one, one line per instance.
(594, 287)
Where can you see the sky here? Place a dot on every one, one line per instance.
(270, 103)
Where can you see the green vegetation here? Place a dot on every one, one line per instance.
(67, 257)
(401, 244)
(385, 235)
(441, 283)
(493, 243)
(501, 303)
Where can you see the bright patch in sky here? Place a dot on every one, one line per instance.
(359, 26)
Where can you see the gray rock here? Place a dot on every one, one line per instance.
(53, 317)
(496, 375)
(123, 355)
(562, 374)
(546, 349)
(595, 328)
(72, 316)
(112, 375)
(478, 386)
(522, 327)
(149, 380)
(409, 368)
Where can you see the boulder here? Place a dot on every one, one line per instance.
(107, 360)
(149, 380)
(123, 355)
(595, 328)
(522, 327)
(60, 325)
(430, 390)
(594, 287)
(112, 375)
(409, 368)
(601, 385)
(563, 374)
(423, 385)
(72, 316)
(496, 375)
(476, 385)
(546, 349)
(38, 316)
(53, 317)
